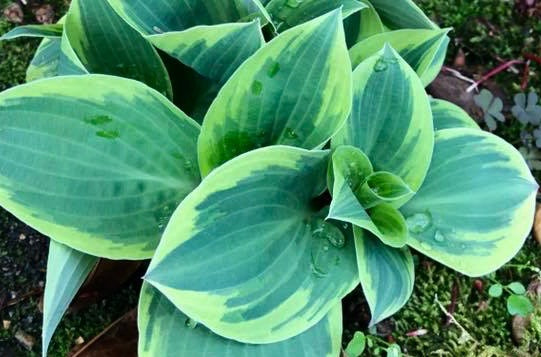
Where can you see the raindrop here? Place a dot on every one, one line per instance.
(381, 65)
(188, 164)
(108, 134)
(257, 87)
(327, 239)
(439, 237)
(291, 134)
(293, 3)
(419, 222)
(273, 69)
(157, 29)
(190, 323)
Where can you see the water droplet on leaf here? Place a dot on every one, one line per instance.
(257, 87)
(273, 69)
(439, 236)
(419, 222)
(190, 323)
(381, 65)
(293, 3)
(327, 240)
(291, 134)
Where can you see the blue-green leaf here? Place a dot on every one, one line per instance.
(294, 91)
(476, 206)
(67, 269)
(48, 30)
(166, 331)
(448, 115)
(386, 273)
(273, 268)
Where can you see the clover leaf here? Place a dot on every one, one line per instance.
(492, 108)
(526, 110)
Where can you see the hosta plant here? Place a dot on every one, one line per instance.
(267, 156)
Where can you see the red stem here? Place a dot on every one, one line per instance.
(532, 57)
(494, 72)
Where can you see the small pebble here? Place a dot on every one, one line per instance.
(22, 236)
(25, 339)
(79, 341)
(6, 324)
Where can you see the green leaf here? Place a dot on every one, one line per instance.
(289, 13)
(382, 187)
(492, 108)
(397, 14)
(363, 24)
(213, 51)
(272, 267)
(517, 288)
(49, 30)
(166, 331)
(350, 168)
(519, 305)
(295, 91)
(68, 61)
(95, 162)
(166, 15)
(67, 269)
(424, 50)
(386, 273)
(448, 115)
(394, 351)
(105, 44)
(495, 290)
(478, 201)
(391, 120)
(357, 345)
(44, 64)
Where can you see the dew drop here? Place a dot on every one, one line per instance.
(273, 70)
(257, 87)
(419, 222)
(439, 237)
(188, 164)
(327, 239)
(108, 134)
(190, 323)
(381, 65)
(157, 29)
(291, 134)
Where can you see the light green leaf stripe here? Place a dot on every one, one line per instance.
(295, 91)
(67, 269)
(105, 44)
(398, 14)
(476, 205)
(387, 275)
(96, 162)
(448, 115)
(68, 61)
(162, 16)
(272, 267)
(45, 61)
(289, 13)
(213, 51)
(166, 331)
(363, 24)
(50, 30)
(391, 120)
(424, 50)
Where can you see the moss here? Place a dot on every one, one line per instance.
(485, 318)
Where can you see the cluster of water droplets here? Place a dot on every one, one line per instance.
(327, 240)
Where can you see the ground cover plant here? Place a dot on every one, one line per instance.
(109, 164)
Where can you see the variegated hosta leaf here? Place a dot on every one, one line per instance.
(272, 268)
(350, 169)
(289, 13)
(391, 120)
(166, 331)
(49, 30)
(295, 91)
(213, 51)
(67, 269)
(363, 24)
(448, 115)
(161, 16)
(424, 50)
(96, 162)
(386, 274)
(105, 44)
(476, 205)
(68, 61)
(398, 14)
(45, 61)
